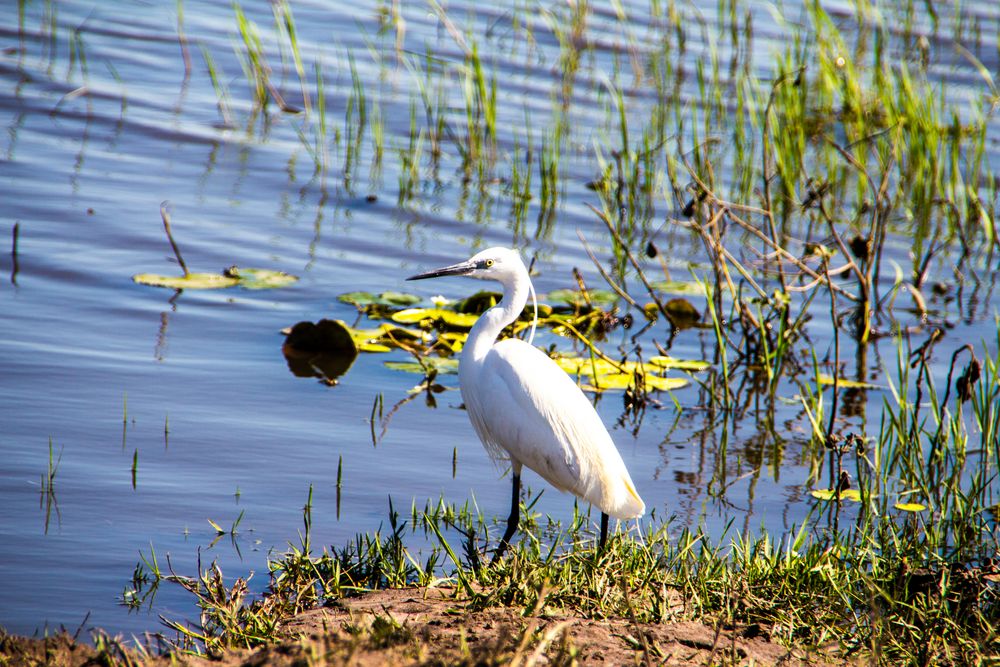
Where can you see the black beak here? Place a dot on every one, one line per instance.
(460, 269)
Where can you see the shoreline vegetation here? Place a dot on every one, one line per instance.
(844, 148)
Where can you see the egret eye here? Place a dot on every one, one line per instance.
(489, 263)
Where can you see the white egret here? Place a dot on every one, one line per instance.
(528, 410)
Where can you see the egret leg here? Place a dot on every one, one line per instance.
(604, 531)
(513, 519)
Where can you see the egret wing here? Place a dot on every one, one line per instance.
(524, 404)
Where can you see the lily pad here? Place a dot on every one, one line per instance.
(910, 507)
(844, 383)
(190, 281)
(605, 375)
(362, 299)
(451, 318)
(679, 288)
(591, 367)
(478, 302)
(679, 364)
(439, 364)
(652, 366)
(626, 380)
(260, 278)
(383, 337)
(683, 314)
(234, 275)
(830, 494)
(576, 298)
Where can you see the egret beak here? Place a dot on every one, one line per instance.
(460, 269)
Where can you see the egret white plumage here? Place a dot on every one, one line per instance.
(528, 410)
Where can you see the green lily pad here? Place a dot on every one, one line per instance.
(679, 364)
(626, 380)
(190, 281)
(605, 375)
(652, 366)
(260, 278)
(478, 302)
(575, 297)
(591, 367)
(679, 288)
(439, 364)
(415, 315)
(234, 275)
(362, 299)
(683, 314)
(383, 337)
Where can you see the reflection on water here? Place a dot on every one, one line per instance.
(323, 350)
(409, 161)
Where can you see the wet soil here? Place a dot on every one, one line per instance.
(430, 627)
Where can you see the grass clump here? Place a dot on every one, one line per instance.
(905, 574)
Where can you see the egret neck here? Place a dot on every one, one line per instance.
(491, 323)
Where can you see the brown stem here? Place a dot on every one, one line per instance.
(165, 214)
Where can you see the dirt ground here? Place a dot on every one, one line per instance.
(428, 627)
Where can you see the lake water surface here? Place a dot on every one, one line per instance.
(168, 410)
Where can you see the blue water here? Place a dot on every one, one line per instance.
(194, 388)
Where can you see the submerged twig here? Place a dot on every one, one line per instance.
(604, 274)
(635, 264)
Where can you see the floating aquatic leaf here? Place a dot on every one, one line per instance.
(910, 507)
(248, 278)
(654, 365)
(605, 375)
(439, 364)
(626, 380)
(665, 384)
(830, 494)
(366, 346)
(576, 298)
(683, 314)
(477, 303)
(415, 315)
(455, 340)
(618, 381)
(679, 364)
(614, 381)
(590, 367)
(679, 287)
(358, 298)
(260, 278)
(381, 338)
(399, 298)
(190, 281)
(843, 383)
(362, 299)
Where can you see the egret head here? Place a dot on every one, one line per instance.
(501, 264)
